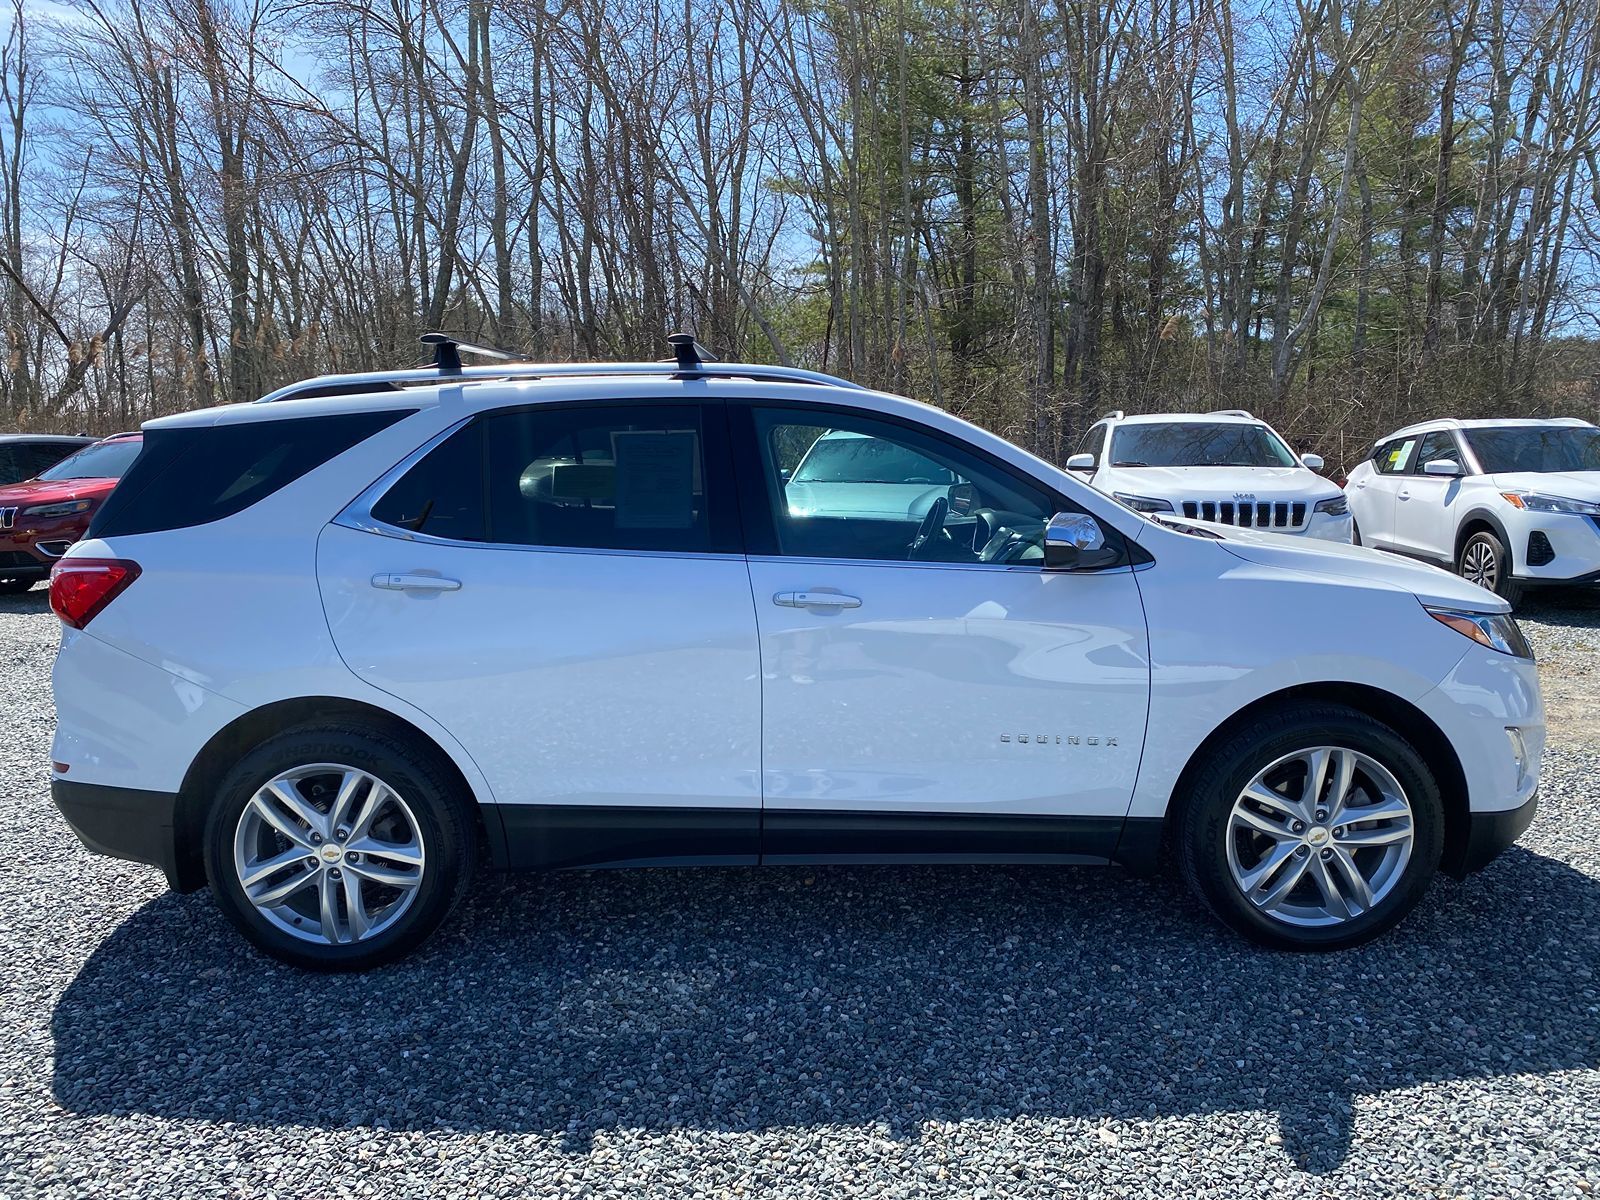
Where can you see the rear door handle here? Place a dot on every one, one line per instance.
(397, 581)
(816, 600)
(1405, 495)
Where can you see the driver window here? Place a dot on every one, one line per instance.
(1438, 444)
(848, 486)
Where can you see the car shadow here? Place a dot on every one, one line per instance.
(747, 1000)
(34, 600)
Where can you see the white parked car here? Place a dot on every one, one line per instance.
(327, 653)
(1225, 467)
(1505, 504)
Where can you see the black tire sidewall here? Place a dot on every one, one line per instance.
(428, 791)
(1507, 588)
(1235, 763)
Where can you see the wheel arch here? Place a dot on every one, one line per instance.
(1481, 520)
(1405, 718)
(245, 732)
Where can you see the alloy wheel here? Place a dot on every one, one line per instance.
(1320, 837)
(1480, 565)
(328, 854)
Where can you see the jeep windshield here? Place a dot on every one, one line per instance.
(1199, 444)
(1538, 449)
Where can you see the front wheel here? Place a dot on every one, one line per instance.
(1486, 562)
(338, 849)
(1313, 828)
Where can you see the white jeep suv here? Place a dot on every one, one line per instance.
(330, 652)
(1505, 504)
(1225, 467)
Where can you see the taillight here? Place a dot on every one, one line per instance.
(81, 587)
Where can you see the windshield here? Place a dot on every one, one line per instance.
(103, 460)
(1535, 448)
(1199, 444)
(867, 460)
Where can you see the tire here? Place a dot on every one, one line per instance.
(15, 587)
(1484, 547)
(392, 874)
(1218, 852)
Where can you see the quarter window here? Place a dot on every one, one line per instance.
(605, 478)
(883, 491)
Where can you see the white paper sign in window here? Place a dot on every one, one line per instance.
(655, 479)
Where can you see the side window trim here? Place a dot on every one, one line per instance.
(720, 482)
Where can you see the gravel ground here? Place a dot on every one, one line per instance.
(883, 1032)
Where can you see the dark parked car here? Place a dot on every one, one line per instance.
(42, 516)
(24, 455)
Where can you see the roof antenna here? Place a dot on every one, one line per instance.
(690, 354)
(447, 352)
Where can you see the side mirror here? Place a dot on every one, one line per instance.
(1075, 542)
(1441, 466)
(1081, 462)
(963, 498)
(1313, 462)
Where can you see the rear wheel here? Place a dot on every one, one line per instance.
(1485, 561)
(338, 849)
(1313, 828)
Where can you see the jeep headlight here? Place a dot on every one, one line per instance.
(1334, 506)
(1144, 504)
(65, 508)
(1497, 631)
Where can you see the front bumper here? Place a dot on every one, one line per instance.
(1488, 835)
(124, 823)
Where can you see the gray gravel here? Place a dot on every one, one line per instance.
(883, 1032)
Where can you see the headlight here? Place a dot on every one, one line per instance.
(64, 509)
(1334, 506)
(1495, 630)
(1539, 502)
(1144, 504)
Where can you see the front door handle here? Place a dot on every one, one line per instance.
(1405, 495)
(816, 600)
(398, 581)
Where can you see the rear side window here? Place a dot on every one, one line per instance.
(195, 475)
(1394, 458)
(602, 478)
(34, 458)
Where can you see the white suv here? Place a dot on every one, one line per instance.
(1504, 503)
(1225, 467)
(328, 653)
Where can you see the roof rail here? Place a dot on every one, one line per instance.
(690, 360)
(1115, 414)
(1231, 412)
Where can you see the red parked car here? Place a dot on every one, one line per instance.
(42, 516)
